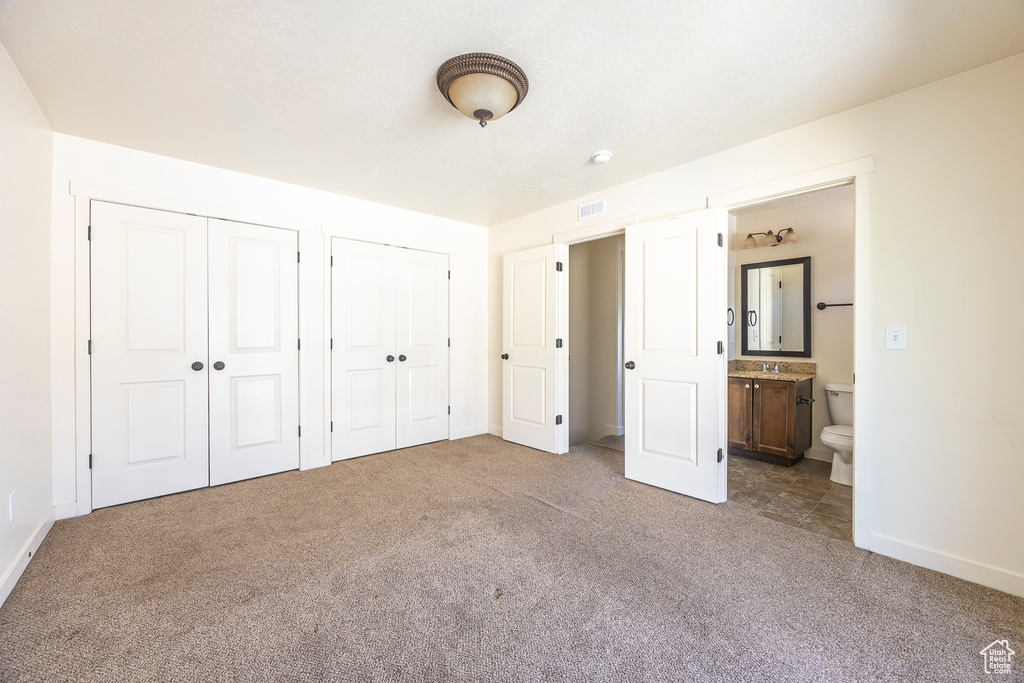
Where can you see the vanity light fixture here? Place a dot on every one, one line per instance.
(482, 86)
(770, 239)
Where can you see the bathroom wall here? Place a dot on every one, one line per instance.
(823, 222)
(593, 343)
(938, 467)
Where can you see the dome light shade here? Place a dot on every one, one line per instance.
(750, 242)
(482, 86)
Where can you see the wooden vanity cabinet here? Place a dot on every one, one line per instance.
(769, 420)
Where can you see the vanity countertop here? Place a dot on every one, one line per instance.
(778, 376)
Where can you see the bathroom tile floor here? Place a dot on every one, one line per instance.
(802, 495)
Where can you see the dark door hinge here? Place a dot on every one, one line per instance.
(558, 266)
(332, 425)
(449, 410)
(721, 240)
(90, 347)
(332, 342)
(449, 342)
(300, 431)
(298, 257)
(299, 347)
(90, 461)
(720, 456)
(332, 260)
(88, 233)
(721, 347)
(558, 343)
(449, 275)
(558, 419)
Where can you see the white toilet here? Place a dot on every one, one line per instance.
(839, 436)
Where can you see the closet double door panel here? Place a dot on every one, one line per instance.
(149, 332)
(389, 330)
(254, 356)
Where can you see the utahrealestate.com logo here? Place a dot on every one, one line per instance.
(998, 656)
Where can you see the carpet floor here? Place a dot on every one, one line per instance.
(479, 560)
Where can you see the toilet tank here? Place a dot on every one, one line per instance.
(839, 398)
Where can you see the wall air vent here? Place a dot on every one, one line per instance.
(591, 209)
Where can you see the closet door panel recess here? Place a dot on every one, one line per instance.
(389, 323)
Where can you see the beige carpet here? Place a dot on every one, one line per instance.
(474, 561)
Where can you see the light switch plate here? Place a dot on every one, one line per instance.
(895, 337)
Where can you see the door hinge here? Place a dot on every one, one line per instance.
(449, 342)
(332, 342)
(558, 266)
(558, 343)
(298, 257)
(88, 233)
(780, 284)
(332, 425)
(90, 461)
(558, 419)
(449, 410)
(720, 456)
(299, 346)
(449, 275)
(332, 260)
(721, 347)
(90, 347)
(721, 240)
(300, 431)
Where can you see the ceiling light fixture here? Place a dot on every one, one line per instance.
(770, 239)
(602, 157)
(482, 86)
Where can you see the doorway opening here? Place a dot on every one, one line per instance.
(595, 339)
(791, 360)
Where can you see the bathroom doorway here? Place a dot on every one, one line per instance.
(595, 338)
(778, 410)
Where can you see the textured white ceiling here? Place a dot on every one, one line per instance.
(341, 95)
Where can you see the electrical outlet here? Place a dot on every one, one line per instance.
(10, 507)
(895, 337)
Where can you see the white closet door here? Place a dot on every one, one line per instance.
(254, 358)
(363, 358)
(535, 377)
(675, 378)
(149, 328)
(421, 332)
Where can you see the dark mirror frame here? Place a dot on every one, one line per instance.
(806, 261)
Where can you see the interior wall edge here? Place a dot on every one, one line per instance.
(25, 554)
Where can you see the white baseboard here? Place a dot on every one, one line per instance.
(816, 453)
(614, 430)
(496, 431)
(466, 432)
(67, 510)
(960, 567)
(16, 569)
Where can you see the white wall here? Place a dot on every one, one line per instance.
(824, 229)
(594, 277)
(940, 421)
(25, 166)
(152, 180)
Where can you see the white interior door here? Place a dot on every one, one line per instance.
(421, 334)
(535, 392)
(149, 327)
(254, 357)
(363, 358)
(675, 321)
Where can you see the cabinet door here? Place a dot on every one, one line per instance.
(149, 353)
(774, 417)
(740, 419)
(254, 356)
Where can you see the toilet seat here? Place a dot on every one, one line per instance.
(838, 433)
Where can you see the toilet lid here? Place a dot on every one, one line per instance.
(839, 430)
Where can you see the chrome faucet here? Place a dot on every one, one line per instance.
(764, 367)
(776, 368)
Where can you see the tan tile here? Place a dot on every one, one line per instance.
(809, 496)
(765, 485)
(840, 494)
(794, 502)
(821, 531)
(843, 527)
(814, 467)
(837, 510)
(755, 500)
(786, 517)
(782, 474)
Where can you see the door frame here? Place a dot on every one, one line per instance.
(857, 173)
(72, 419)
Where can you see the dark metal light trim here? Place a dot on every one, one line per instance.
(482, 63)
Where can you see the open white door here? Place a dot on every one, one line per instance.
(363, 362)
(254, 357)
(535, 323)
(675, 328)
(149, 353)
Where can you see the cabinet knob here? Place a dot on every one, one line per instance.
(746, 386)
(757, 386)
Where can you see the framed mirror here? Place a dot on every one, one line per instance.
(776, 308)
